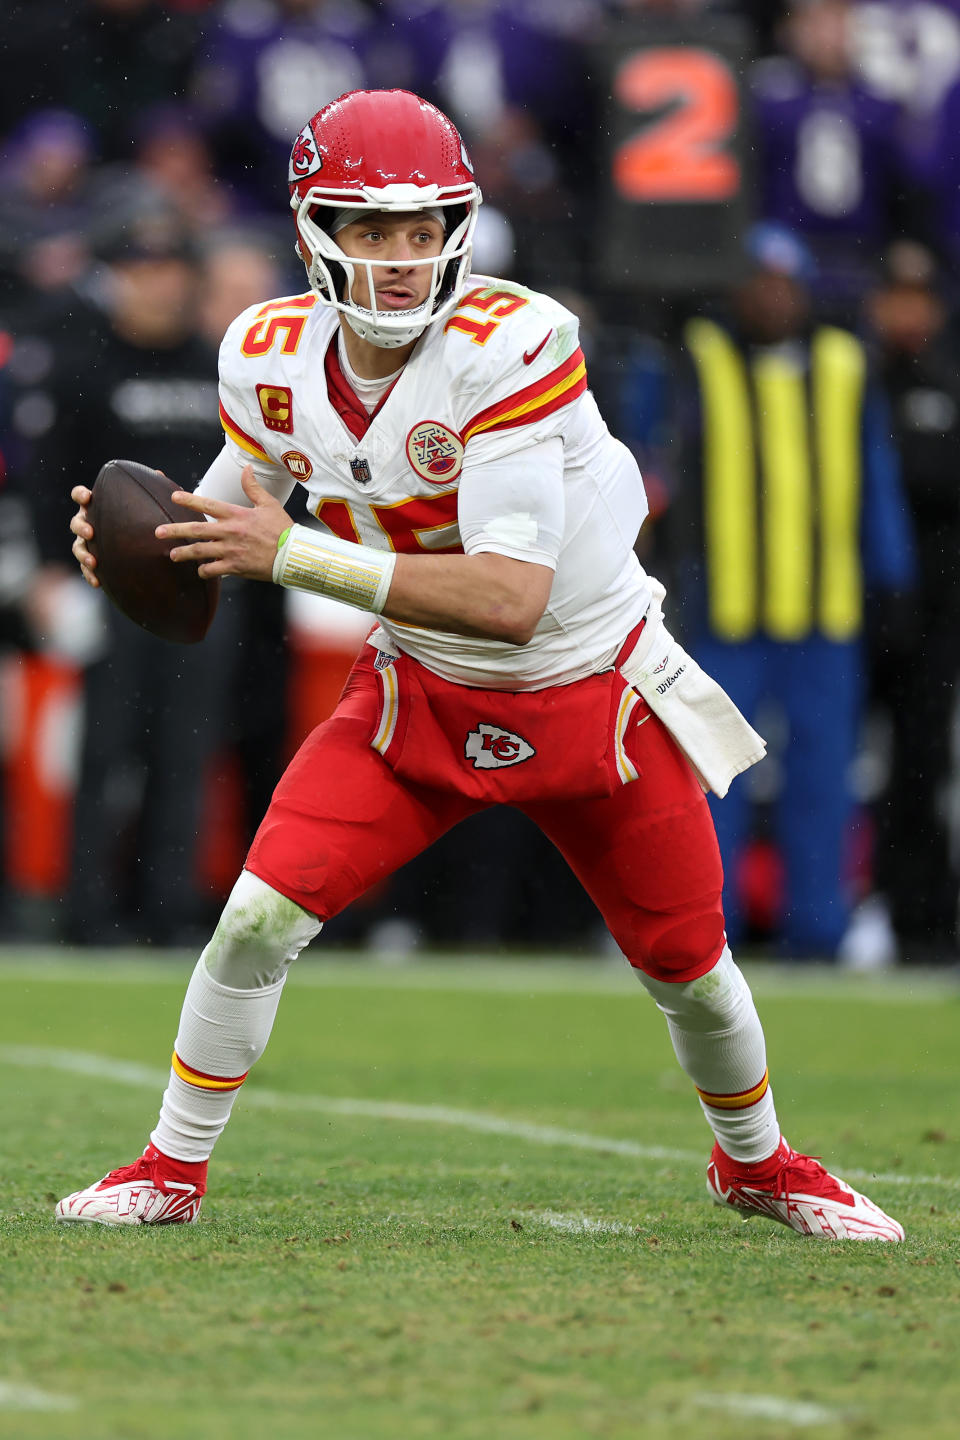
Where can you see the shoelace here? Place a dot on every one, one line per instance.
(146, 1167)
(139, 1170)
(806, 1173)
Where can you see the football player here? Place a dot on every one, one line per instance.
(471, 497)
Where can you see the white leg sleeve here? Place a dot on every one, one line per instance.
(260, 934)
(228, 1014)
(718, 1039)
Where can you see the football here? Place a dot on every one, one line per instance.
(133, 566)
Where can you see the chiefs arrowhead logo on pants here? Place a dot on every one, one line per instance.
(489, 747)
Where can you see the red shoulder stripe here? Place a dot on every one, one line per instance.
(534, 401)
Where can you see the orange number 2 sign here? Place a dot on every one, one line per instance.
(679, 157)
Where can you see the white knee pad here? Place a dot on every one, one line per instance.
(717, 1001)
(259, 934)
(717, 1037)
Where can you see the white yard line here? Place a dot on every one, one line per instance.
(769, 1407)
(102, 1067)
(133, 1073)
(16, 1396)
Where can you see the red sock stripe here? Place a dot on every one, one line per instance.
(740, 1100)
(201, 1080)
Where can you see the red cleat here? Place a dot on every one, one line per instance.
(798, 1192)
(154, 1190)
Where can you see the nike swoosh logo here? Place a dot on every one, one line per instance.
(530, 355)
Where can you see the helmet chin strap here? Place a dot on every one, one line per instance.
(363, 323)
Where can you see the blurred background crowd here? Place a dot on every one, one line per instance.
(755, 210)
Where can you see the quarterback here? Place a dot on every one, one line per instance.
(469, 496)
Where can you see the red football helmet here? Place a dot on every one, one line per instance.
(391, 151)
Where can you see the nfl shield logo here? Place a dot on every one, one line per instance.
(360, 470)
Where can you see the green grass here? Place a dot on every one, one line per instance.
(410, 1274)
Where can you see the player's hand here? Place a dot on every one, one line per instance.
(83, 531)
(236, 540)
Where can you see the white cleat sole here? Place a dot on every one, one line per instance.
(130, 1205)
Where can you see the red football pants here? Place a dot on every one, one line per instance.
(340, 820)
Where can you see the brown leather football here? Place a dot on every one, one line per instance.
(133, 566)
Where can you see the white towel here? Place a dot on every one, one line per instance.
(701, 717)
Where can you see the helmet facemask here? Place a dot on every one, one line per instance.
(331, 273)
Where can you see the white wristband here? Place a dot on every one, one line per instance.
(326, 565)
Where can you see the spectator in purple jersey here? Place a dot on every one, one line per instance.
(488, 56)
(828, 149)
(174, 155)
(908, 50)
(514, 76)
(49, 183)
(262, 66)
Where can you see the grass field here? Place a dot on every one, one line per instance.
(466, 1200)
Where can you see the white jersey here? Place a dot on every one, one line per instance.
(488, 441)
